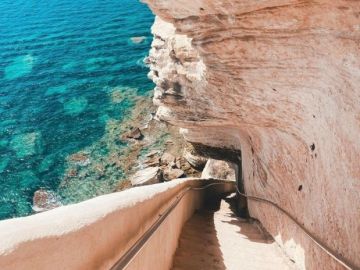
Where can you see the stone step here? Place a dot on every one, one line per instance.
(213, 240)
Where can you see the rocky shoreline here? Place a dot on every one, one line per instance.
(139, 145)
(145, 147)
(157, 153)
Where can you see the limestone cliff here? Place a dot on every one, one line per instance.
(278, 80)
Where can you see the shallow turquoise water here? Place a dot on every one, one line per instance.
(60, 62)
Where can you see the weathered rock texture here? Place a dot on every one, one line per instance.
(278, 79)
(219, 169)
(151, 175)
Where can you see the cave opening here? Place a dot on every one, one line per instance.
(234, 157)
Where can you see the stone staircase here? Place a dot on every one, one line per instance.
(216, 239)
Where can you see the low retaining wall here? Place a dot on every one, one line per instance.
(94, 234)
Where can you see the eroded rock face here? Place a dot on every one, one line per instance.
(278, 79)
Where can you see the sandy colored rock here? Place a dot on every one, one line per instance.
(167, 158)
(218, 169)
(151, 175)
(278, 80)
(134, 133)
(178, 163)
(173, 173)
(194, 160)
(152, 153)
(153, 161)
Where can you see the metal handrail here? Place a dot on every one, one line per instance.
(340, 259)
(129, 256)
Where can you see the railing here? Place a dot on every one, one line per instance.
(129, 256)
(95, 233)
(341, 260)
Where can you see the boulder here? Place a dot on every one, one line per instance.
(44, 200)
(134, 133)
(196, 161)
(153, 161)
(152, 153)
(151, 175)
(167, 158)
(178, 163)
(80, 159)
(172, 173)
(219, 169)
(172, 165)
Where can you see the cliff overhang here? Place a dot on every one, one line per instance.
(277, 80)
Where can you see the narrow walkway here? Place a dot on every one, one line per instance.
(218, 240)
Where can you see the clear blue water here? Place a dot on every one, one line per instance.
(60, 63)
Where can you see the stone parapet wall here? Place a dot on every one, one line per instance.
(94, 234)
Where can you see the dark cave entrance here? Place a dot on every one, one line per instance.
(234, 156)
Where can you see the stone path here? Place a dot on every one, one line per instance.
(218, 240)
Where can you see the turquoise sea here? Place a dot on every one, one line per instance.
(69, 72)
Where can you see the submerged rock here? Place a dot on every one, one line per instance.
(27, 144)
(80, 159)
(55, 90)
(47, 163)
(72, 173)
(75, 106)
(137, 40)
(21, 66)
(151, 175)
(44, 200)
(117, 96)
